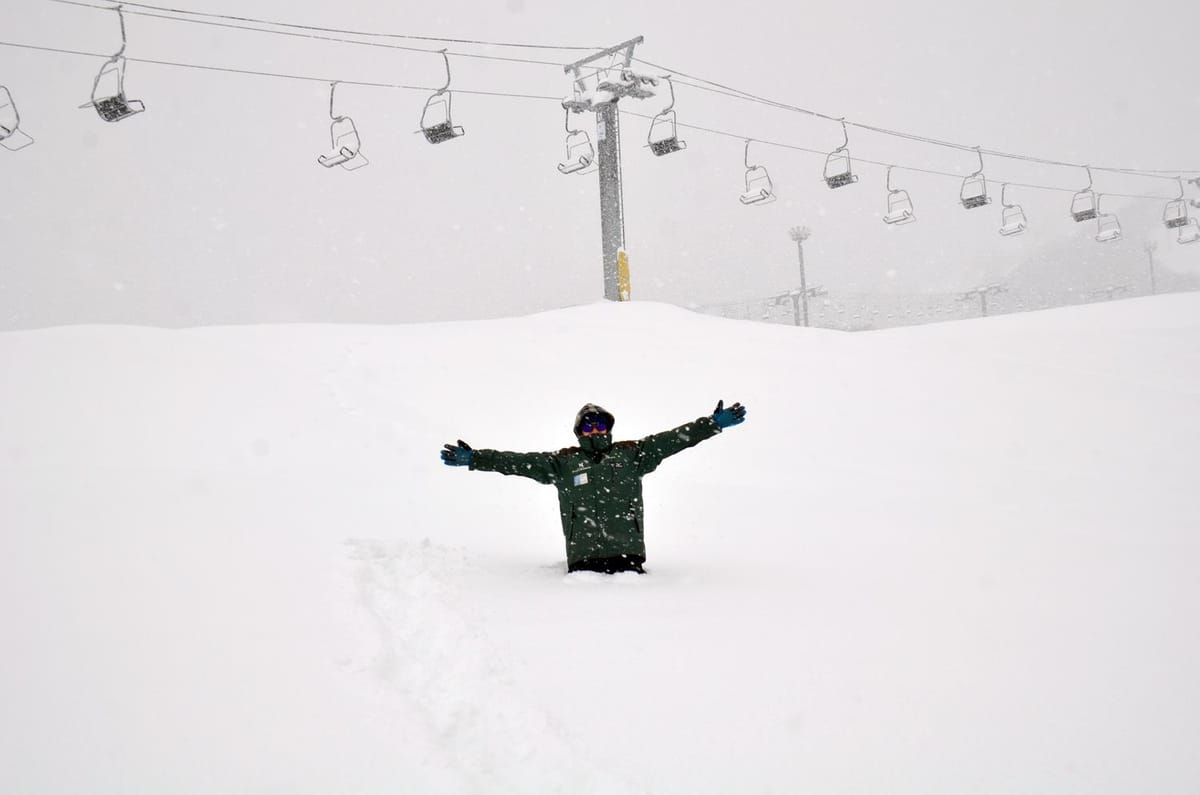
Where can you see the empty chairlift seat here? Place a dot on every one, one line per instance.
(346, 146)
(1175, 214)
(1108, 228)
(838, 170)
(108, 89)
(1012, 221)
(11, 135)
(663, 136)
(438, 126)
(1190, 232)
(900, 206)
(437, 122)
(108, 93)
(759, 189)
(581, 155)
(1012, 217)
(1085, 204)
(973, 192)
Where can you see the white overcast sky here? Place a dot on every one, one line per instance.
(211, 207)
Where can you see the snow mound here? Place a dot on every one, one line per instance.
(942, 559)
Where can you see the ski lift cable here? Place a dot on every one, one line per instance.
(727, 90)
(556, 99)
(310, 36)
(747, 96)
(882, 164)
(317, 28)
(282, 75)
(736, 93)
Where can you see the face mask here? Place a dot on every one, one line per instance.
(598, 443)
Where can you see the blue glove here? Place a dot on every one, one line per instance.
(460, 456)
(724, 417)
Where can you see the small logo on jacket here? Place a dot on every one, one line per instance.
(580, 479)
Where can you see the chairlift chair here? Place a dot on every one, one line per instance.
(1084, 204)
(12, 137)
(1012, 217)
(759, 189)
(974, 187)
(1175, 214)
(664, 124)
(900, 206)
(1107, 226)
(108, 93)
(838, 172)
(346, 146)
(1190, 232)
(580, 152)
(108, 90)
(443, 129)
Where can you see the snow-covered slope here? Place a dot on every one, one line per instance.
(959, 558)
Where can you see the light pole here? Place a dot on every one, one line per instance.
(800, 234)
(1150, 248)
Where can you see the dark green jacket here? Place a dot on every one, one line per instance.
(600, 493)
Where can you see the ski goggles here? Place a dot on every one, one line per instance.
(593, 425)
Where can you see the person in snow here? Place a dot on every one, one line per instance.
(599, 482)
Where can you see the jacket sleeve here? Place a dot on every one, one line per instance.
(542, 467)
(653, 449)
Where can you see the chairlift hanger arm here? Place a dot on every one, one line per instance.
(845, 137)
(121, 18)
(627, 46)
(671, 104)
(979, 152)
(445, 57)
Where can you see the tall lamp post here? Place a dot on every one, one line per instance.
(800, 234)
(1150, 248)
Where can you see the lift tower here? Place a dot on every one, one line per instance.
(597, 89)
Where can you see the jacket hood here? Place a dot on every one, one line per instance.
(592, 408)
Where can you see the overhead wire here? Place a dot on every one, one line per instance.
(310, 36)
(514, 95)
(703, 84)
(283, 75)
(348, 32)
(710, 130)
(882, 164)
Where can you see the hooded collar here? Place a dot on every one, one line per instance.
(594, 445)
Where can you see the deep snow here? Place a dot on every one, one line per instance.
(957, 558)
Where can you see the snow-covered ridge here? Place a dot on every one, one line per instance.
(944, 559)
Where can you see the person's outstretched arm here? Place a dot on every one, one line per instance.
(653, 449)
(542, 467)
